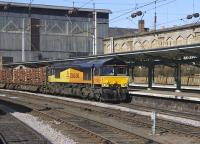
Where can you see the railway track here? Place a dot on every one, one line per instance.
(14, 131)
(163, 126)
(86, 128)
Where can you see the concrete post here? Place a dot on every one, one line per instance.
(153, 118)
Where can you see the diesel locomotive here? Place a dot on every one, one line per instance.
(95, 79)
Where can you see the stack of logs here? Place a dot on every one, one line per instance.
(27, 76)
(6, 76)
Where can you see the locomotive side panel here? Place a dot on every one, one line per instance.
(67, 76)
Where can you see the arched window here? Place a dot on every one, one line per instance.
(117, 47)
(137, 45)
(190, 39)
(154, 44)
(145, 44)
(180, 41)
(125, 47)
(108, 49)
(169, 42)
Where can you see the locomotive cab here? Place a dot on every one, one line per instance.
(114, 80)
(114, 75)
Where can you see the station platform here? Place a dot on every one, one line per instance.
(194, 88)
(195, 97)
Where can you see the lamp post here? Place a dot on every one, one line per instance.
(95, 31)
(23, 40)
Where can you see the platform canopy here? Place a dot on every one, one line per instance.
(165, 55)
(172, 55)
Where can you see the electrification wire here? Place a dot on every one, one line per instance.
(105, 3)
(151, 8)
(172, 1)
(147, 4)
(85, 3)
(122, 10)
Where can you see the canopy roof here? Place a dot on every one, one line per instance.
(166, 55)
(97, 63)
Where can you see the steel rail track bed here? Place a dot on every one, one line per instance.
(87, 128)
(163, 126)
(13, 131)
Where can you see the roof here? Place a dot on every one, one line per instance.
(97, 63)
(158, 31)
(42, 6)
(113, 32)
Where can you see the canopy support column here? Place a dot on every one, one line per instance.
(178, 77)
(150, 75)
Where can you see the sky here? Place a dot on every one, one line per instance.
(169, 12)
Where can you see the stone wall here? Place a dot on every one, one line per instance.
(176, 36)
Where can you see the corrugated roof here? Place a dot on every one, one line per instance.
(42, 6)
(113, 31)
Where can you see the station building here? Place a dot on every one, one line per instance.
(145, 39)
(32, 32)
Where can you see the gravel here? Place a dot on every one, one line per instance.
(167, 117)
(43, 128)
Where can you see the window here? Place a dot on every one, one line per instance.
(57, 73)
(107, 70)
(113, 70)
(35, 34)
(87, 74)
(121, 71)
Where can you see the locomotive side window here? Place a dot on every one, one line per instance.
(57, 73)
(96, 71)
(113, 70)
(107, 70)
(120, 70)
(87, 74)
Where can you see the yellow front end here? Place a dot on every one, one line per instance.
(107, 81)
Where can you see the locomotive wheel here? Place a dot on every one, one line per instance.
(85, 93)
(97, 96)
(92, 94)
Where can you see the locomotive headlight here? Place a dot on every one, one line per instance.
(125, 85)
(105, 85)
